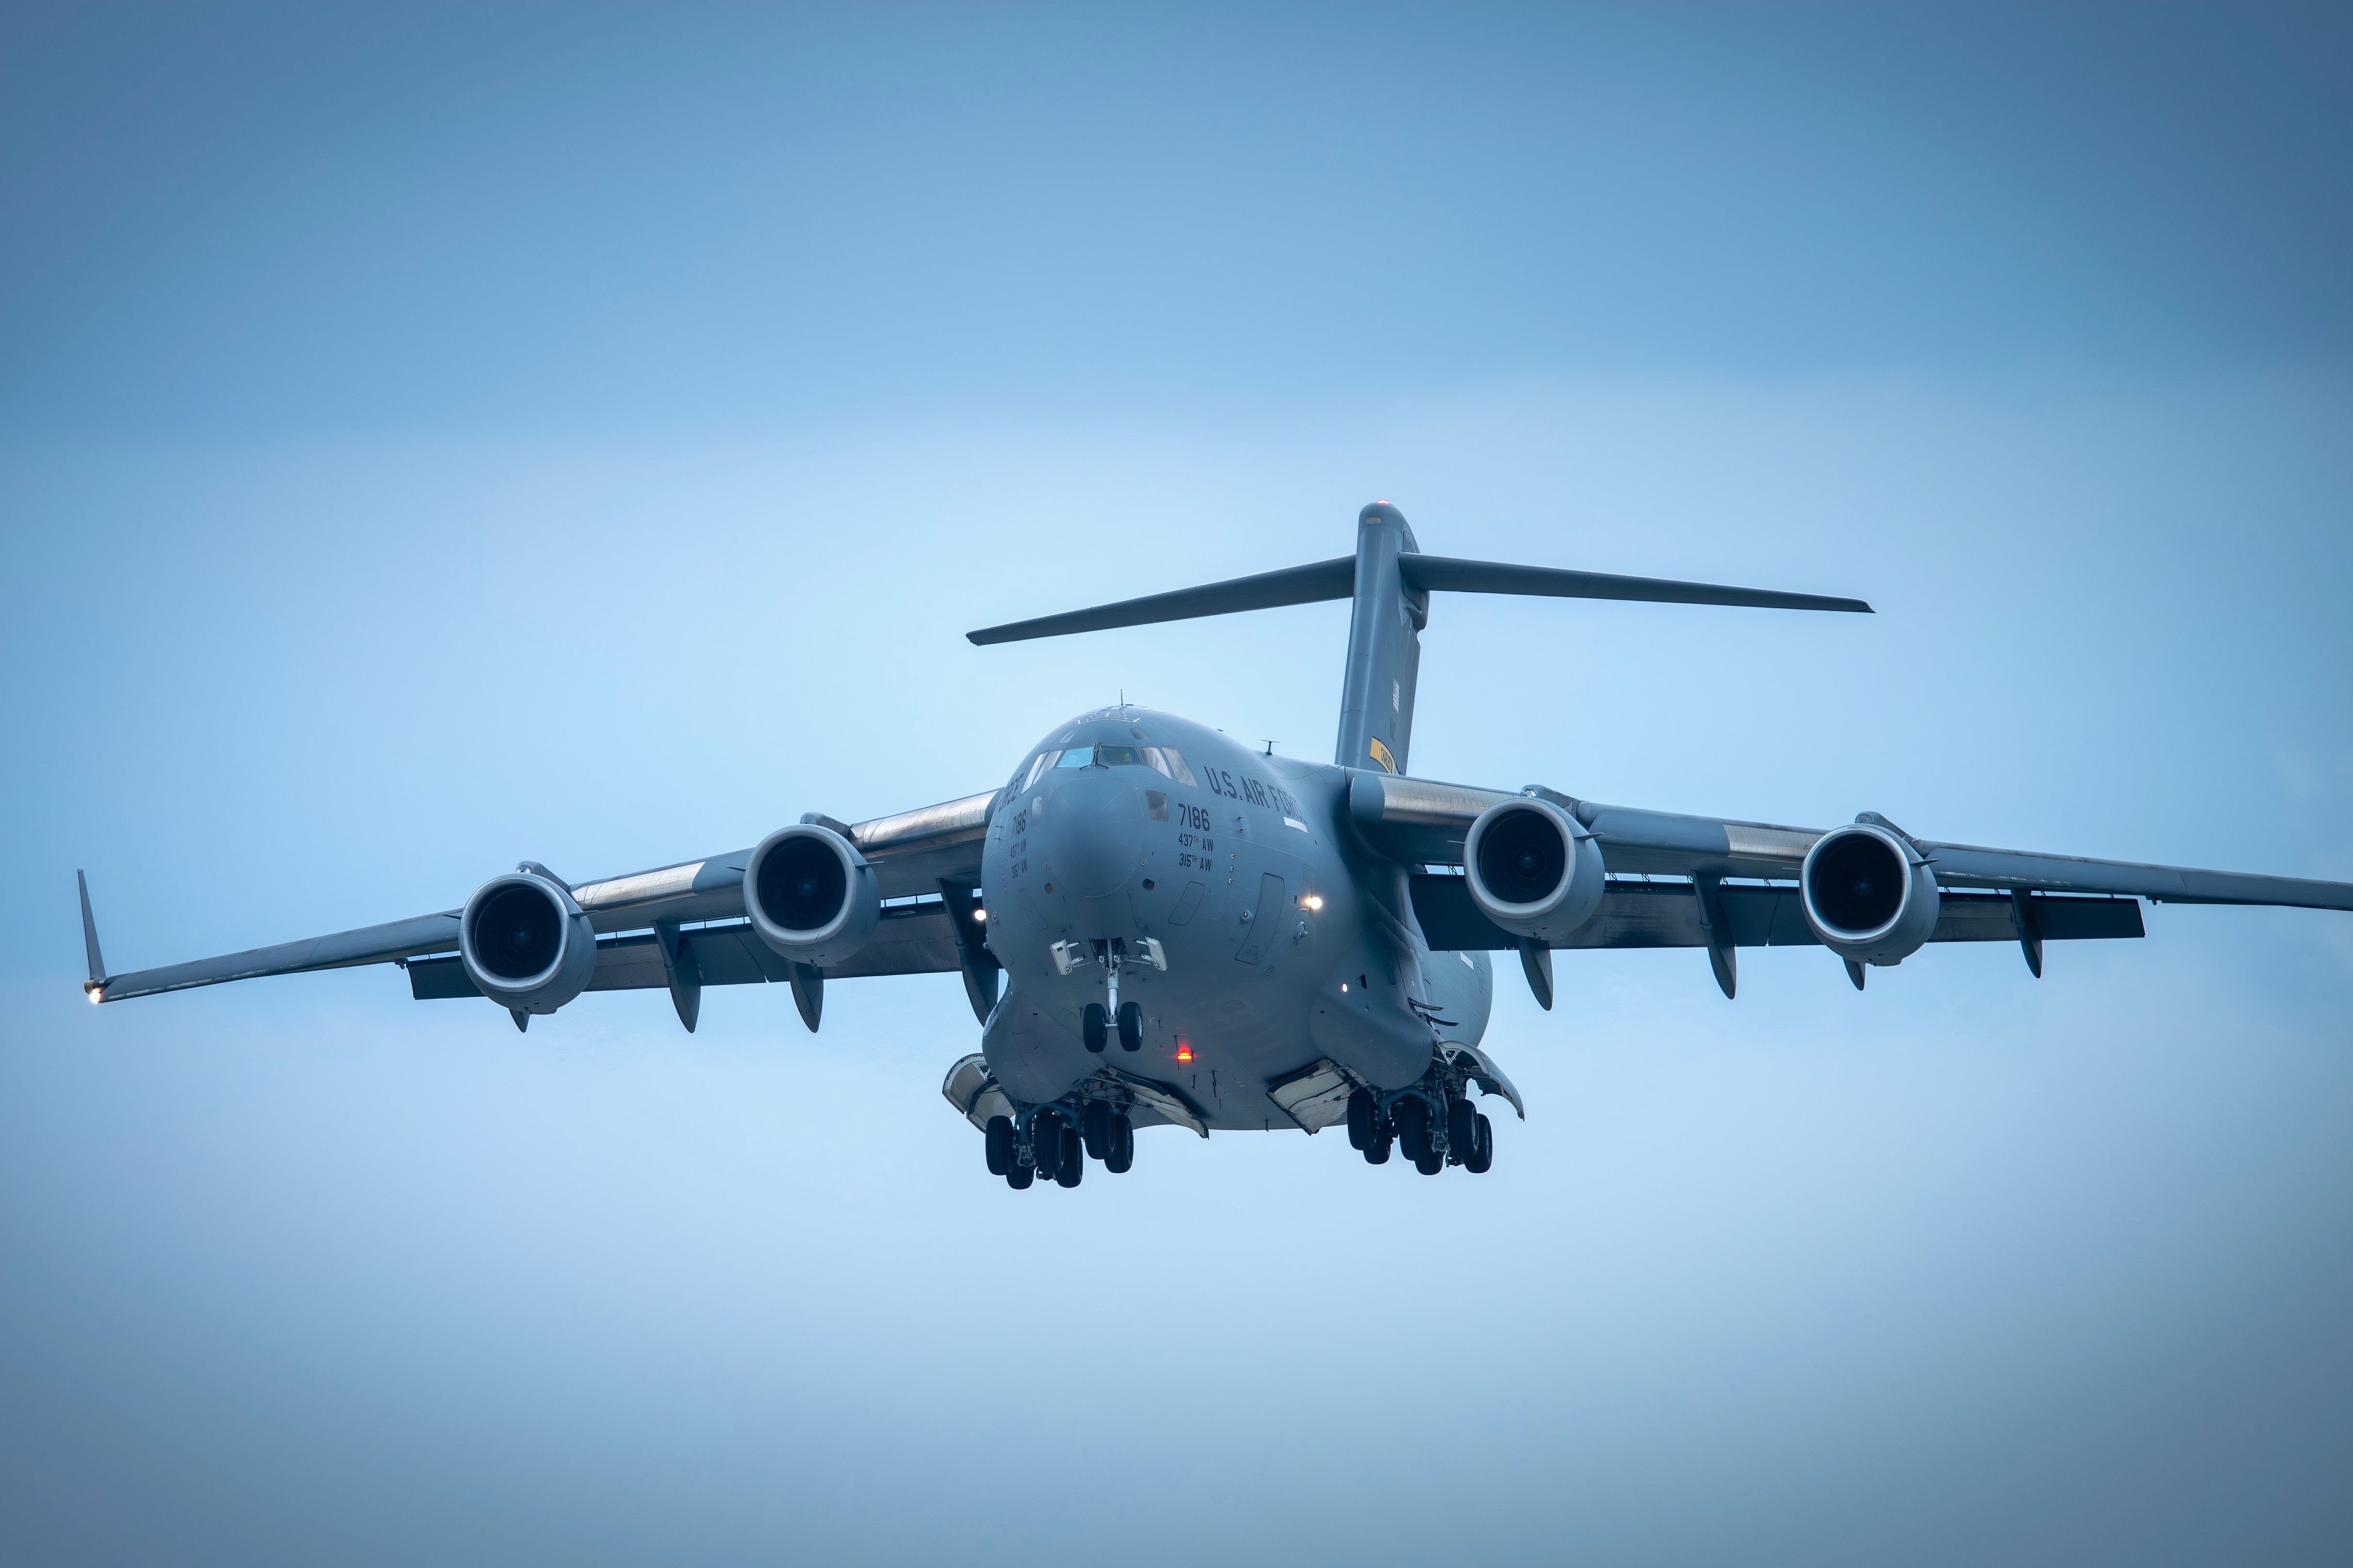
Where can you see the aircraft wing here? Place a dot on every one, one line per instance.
(1424, 821)
(1985, 894)
(918, 855)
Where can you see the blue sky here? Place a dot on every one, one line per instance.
(431, 440)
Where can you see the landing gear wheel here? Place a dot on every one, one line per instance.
(1432, 1161)
(1412, 1116)
(1377, 1152)
(997, 1139)
(1092, 1026)
(1073, 1164)
(1482, 1149)
(1046, 1142)
(1121, 1155)
(1461, 1130)
(1362, 1108)
(1131, 1027)
(1095, 1126)
(1020, 1177)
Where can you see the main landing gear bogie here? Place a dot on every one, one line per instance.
(1059, 1144)
(1460, 1135)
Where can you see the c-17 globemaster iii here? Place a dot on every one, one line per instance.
(1158, 927)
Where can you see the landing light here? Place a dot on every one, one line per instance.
(1314, 901)
(980, 914)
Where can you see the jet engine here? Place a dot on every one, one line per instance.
(525, 944)
(1868, 894)
(811, 895)
(1533, 868)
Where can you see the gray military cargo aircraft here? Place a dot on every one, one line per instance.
(1270, 943)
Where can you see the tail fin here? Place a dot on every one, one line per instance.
(1384, 644)
(89, 942)
(1391, 581)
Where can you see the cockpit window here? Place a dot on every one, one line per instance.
(1164, 759)
(1169, 761)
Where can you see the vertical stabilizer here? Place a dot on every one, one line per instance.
(1384, 647)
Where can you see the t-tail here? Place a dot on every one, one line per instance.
(1390, 582)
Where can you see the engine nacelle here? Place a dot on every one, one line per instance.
(525, 944)
(1533, 868)
(1868, 895)
(811, 895)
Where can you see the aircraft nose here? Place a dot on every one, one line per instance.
(1090, 830)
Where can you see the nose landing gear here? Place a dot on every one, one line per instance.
(1097, 1018)
(1094, 1025)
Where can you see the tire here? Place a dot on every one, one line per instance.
(1362, 1108)
(1412, 1115)
(1461, 1130)
(1020, 1177)
(1377, 1152)
(1483, 1150)
(1432, 1161)
(1131, 1027)
(1074, 1166)
(997, 1139)
(1092, 1026)
(1121, 1156)
(1046, 1142)
(1094, 1127)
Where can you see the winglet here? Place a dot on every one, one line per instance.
(95, 984)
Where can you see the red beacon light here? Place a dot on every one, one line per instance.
(1184, 1052)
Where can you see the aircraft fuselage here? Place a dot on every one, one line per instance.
(1282, 942)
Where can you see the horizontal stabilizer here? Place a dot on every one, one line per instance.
(1336, 579)
(1441, 573)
